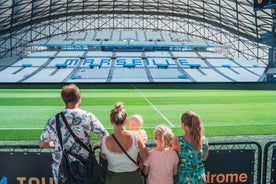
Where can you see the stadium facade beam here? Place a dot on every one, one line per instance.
(27, 21)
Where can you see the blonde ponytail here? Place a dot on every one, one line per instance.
(165, 135)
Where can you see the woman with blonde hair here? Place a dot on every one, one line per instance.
(122, 169)
(192, 149)
(161, 164)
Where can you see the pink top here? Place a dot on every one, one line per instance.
(161, 165)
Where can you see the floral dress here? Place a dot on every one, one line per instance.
(190, 166)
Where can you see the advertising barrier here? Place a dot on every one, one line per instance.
(222, 166)
(230, 166)
(25, 168)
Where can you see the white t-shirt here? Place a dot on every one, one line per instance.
(119, 162)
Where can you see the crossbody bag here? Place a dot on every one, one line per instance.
(73, 167)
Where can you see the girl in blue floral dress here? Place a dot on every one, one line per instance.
(192, 149)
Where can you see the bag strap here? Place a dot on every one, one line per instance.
(72, 133)
(58, 131)
(124, 150)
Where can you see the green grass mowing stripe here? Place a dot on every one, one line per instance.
(37, 116)
(237, 108)
(209, 131)
(265, 129)
(109, 100)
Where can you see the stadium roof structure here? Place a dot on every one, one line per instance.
(234, 23)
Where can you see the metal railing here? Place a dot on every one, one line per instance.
(269, 163)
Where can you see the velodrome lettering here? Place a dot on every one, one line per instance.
(226, 178)
(124, 61)
(35, 180)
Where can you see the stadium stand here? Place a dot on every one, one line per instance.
(153, 59)
(147, 37)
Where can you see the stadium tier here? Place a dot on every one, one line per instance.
(128, 56)
(151, 41)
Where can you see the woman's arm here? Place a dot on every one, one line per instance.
(142, 147)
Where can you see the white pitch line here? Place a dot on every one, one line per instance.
(155, 108)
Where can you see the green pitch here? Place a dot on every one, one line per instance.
(24, 112)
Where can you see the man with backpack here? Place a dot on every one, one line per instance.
(74, 123)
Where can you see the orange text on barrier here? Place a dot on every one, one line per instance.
(34, 180)
(226, 178)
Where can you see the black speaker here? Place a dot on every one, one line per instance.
(264, 4)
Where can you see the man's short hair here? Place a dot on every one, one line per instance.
(70, 93)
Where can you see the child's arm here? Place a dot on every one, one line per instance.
(175, 146)
(146, 170)
(206, 154)
(144, 136)
(175, 169)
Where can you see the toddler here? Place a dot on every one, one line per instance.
(135, 124)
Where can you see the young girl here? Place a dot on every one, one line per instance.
(161, 164)
(192, 149)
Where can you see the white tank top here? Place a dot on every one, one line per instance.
(119, 162)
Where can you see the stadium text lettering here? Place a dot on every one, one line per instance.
(71, 61)
(34, 180)
(122, 62)
(226, 178)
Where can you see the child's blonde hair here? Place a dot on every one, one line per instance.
(164, 134)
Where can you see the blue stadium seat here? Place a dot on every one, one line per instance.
(26, 65)
(61, 65)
